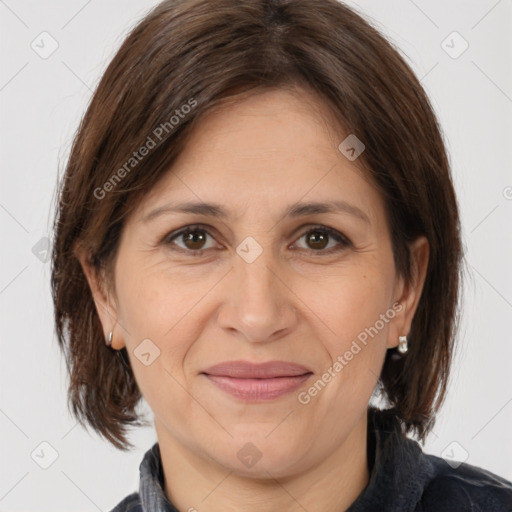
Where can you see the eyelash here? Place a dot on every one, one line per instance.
(343, 241)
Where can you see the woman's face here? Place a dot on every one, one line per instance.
(257, 284)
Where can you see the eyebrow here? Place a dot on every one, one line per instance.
(293, 211)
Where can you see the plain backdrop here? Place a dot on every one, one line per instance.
(42, 101)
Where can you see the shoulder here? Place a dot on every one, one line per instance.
(129, 504)
(467, 487)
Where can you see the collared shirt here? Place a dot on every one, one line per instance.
(402, 479)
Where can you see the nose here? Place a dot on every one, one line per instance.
(259, 306)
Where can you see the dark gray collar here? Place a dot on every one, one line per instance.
(400, 470)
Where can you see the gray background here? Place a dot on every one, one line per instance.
(42, 101)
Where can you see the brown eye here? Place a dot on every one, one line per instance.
(318, 239)
(321, 240)
(194, 240)
(191, 239)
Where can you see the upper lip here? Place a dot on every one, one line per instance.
(248, 370)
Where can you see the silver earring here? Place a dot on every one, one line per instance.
(402, 345)
(109, 339)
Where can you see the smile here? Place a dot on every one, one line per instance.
(257, 382)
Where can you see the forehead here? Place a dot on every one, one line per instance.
(292, 113)
(274, 147)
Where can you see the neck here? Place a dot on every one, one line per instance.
(196, 482)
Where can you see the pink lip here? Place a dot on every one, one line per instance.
(246, 370)
(257, 382)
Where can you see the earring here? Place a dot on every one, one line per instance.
(109, 339)
(402, 345)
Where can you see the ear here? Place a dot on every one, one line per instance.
(408, 293)
(103, 299)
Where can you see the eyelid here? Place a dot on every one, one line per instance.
(341, 238)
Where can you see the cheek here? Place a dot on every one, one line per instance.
(156, 306)
(358, 310)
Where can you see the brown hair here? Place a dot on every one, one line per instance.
(199, 53)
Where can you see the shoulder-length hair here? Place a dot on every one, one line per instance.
(187, 57)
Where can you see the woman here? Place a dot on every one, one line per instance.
(257, 232)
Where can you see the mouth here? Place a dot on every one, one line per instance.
(257, 382)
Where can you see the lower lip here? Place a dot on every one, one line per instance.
(258, 390)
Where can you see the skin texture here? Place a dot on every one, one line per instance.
(295, 302)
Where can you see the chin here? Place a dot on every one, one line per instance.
(260, 455)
